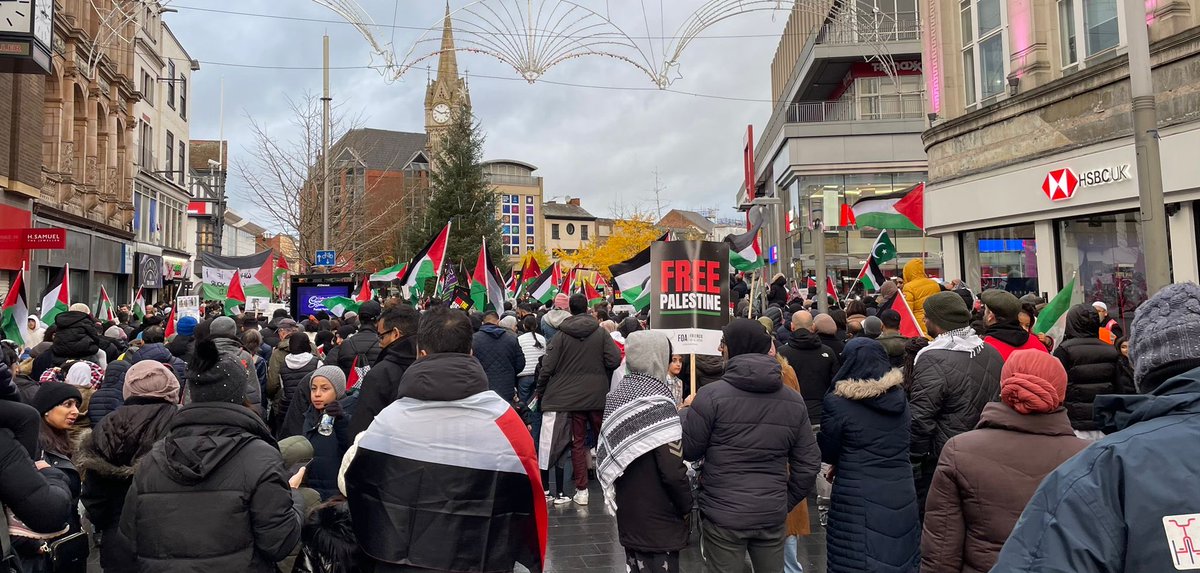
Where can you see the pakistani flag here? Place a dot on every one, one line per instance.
(234, 295)
(633, 277)
(16, 311)
(544, 287)
(895, 211)
(428, 262)
(871, 276)
(389, 274)
(745, 254)
(57, 297)
(104, 310)
(487, 288)
(139, 305)
(1052, 320)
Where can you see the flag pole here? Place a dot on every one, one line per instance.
(693, 376)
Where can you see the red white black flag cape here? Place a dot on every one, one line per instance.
(454, 486)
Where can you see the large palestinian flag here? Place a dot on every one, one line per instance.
(57, 297)
(745, 254)
(16, 311)
(544, 288)
(894, 211)
(428, 262)
(448, 486)
(257, 274)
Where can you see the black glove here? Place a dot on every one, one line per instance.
(334, 409)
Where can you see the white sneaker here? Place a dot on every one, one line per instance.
(562, 500)
(548, 496)
(581, 497)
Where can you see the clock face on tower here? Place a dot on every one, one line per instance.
(441, 113)
(43, 21)
(15, 16)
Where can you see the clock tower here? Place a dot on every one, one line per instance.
(447, 95)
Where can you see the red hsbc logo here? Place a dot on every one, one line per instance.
(1060, 184)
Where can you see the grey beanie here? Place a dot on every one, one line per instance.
(223, 326)
(648, 352)
(872, 327)
(334, 375)
(1166, 330)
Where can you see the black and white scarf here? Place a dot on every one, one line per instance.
(639, 415)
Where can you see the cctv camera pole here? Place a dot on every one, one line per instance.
(325, 151)
(1152, 208)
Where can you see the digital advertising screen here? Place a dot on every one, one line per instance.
(311, 298)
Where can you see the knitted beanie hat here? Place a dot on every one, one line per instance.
(947, 310)
(51, 394)
(216, 378)
(186, 326)
(1166, 330)
(562, 301)
(1033, 382)
(334, 375)
(222, 326)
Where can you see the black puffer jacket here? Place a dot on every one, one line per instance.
(379, 386)
(211, 496)
(577, 367)
(815, 364)
(294, 374)
(75, 337)
(949, 390)
(232, 347)
(181, 346)
(497, 350)
(1093, 367)
(108, 453)
(109, 397)
(365, 342)
(748, 428)
(653, 497)
(41, 499)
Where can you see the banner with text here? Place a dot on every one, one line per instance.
(689, 287)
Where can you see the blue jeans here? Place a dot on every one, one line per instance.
(525, 387)
(791, 561)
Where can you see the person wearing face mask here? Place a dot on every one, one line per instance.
(329, 438)
(396, 330)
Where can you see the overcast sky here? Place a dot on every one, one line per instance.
(603, 145)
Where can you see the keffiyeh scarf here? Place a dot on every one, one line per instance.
(639, 415)
(960, 340)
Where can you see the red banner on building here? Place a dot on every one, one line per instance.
(22, 239)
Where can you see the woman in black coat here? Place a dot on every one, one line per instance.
(1093, 368)
(873, 522)
(108, 454)
(778, 293)
(297, 366)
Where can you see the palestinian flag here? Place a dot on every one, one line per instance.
(340, 305)
(389, 274)
(487, 288)
(544, 287)
(169, 325)
(830, 288)
(511, 284)
(633, 278)
(57, 297)
(234, 295)
(745, 254)
(16, 311)
(473, 455)
(1052, 320)
(281, 271)
(909, 328)
(356, 375)
(568, 280)
(105, 311)
(903, 211)
(594, 297)
(530, 271)
(139, 305)
(428, 262)
(256, 275)
(364, 293)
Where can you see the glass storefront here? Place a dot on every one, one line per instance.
(820, 197)
(1002, 258)
(1106, 251)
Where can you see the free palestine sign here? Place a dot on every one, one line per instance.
(689, 289)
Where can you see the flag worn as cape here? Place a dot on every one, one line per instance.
(428, 262)
(478, 457)
(16, 311)
(57, 297)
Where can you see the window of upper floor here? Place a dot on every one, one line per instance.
(983, 24)
(171, 84)
(1088, 28)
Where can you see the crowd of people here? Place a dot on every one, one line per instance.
(399, 438)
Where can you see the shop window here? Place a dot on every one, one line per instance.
(1004, 258)
(1106, 252)
(982, 23)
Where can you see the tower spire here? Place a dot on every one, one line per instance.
(448, 59)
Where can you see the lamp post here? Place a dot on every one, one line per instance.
(1152, 209)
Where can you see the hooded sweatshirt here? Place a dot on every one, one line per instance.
(917, 288)
(577, 367)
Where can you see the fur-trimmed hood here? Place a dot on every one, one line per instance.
(883, 394)
(88, 459)
(113, 447)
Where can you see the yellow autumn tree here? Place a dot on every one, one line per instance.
(629, 237)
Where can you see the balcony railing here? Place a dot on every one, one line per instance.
(906, 27)
(873, 108)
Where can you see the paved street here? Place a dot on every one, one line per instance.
(585, 539)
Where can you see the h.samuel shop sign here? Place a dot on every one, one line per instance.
(1061, 184)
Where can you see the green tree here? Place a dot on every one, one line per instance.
(460, 192)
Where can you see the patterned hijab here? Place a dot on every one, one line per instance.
(640, 413)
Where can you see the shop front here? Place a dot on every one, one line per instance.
(1031, 227)
(12, 218)
(96, 259)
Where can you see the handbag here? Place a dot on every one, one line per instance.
(68, 553)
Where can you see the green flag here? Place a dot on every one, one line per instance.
(1052, 320)
(883, 250)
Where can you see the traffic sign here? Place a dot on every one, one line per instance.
(326, 258)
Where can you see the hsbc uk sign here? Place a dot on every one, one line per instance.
(1061, 184)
